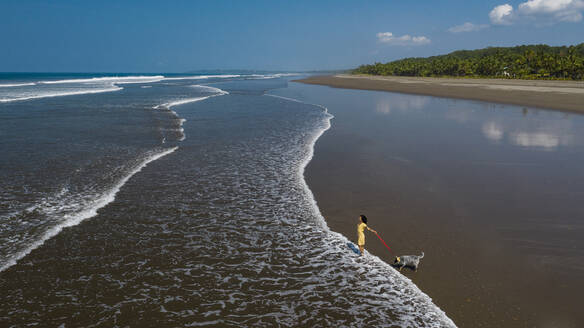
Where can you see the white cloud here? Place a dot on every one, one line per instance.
(539, 11)
(558, 10)
(501, 15)
(467, 27)
(548, 6)
(404, 40)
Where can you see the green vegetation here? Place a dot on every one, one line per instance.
(521, 62)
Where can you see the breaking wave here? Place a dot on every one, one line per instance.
(77, 208)
(169, 105)
(10, 92)
(50, 94)
(16, 85)
(110, 79)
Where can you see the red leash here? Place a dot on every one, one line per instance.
(389, 249)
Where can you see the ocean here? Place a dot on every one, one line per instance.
(171, 200)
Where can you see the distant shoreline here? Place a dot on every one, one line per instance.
(546, 94)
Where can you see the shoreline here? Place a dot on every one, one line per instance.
(558, 95)
(373, 259)
(471, 271)
(317, 211)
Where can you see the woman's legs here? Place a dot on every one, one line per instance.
(362, 249)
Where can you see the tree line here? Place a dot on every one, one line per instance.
(520, 62)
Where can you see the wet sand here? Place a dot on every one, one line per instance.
(472, 270)
(561, 95)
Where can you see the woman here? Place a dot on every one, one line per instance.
(360, 232)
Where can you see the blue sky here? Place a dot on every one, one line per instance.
(179, 36)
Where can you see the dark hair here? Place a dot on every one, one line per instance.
(363, 218)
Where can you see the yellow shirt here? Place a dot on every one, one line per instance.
(361, 236)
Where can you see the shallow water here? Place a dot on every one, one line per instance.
(491, 193)
(219, 228)
(517, 167)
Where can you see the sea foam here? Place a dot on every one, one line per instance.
(371, 263)
(87, 210)
(16, 85)
(50, 94)
(70, 87)
(202, 77)
(110, 79)
(169, 105)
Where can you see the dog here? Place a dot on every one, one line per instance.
(412, 261)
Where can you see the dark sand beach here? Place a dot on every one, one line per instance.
(500, 224)
(561, 95)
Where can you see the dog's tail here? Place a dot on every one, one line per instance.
(421, 256)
